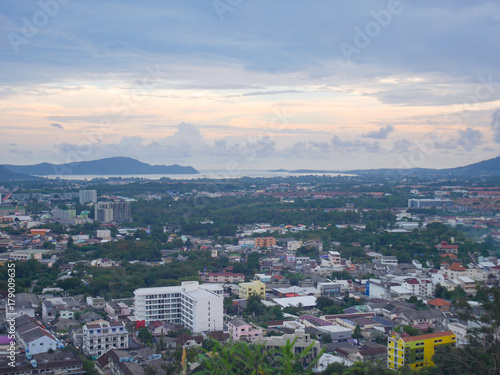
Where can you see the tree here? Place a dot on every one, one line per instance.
(482, 355)
(145, 336)
(356, 334)
(244, 358)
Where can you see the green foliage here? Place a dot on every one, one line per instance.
(411, 330)
(256, 311)
(341, 275)
(482, 355)
(89, 367)
(356, 334)
(419, 304)
(255, 359)
(145, 336)
(308, 251)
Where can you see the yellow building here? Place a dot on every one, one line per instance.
(254, 287)
(416, 351)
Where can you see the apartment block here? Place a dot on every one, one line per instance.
(416, 351)
(302, 341)
(101, 336)
(197, 307)
(120, 211)
(254, 287)
(86, 196)
(222, 277)
(265, 241)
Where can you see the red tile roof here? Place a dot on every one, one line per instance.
(438, 302)
(456, 267)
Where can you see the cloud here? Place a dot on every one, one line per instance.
(58, 126)
(495, 125)
(469, 138)
(381, 133)
(99, 119)
(131, 141)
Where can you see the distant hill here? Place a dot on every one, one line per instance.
(486, 167)
(489, 167)
(8, 175)
(108, 166)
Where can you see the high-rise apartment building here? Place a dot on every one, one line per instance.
(197, 307)
(88, 196)
(107, 212)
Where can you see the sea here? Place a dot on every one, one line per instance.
(204, 174)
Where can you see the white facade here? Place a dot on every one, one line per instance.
(460, 330)
(202, 310)
(88, 196)
(104, 234)
(41, 344)
(101, 336)
(197, 307)
(293, 245)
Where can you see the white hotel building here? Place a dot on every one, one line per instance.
(197, 307)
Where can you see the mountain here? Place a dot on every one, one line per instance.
(485, 167)
(489, 167)
(8, 175)
(108, 166)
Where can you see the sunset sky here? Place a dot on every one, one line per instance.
(251, 84)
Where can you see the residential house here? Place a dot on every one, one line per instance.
(439, 304)
(57, 363)
(238, 329)
(33, 338)
(101, 336)
(423, 318)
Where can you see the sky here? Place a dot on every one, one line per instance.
(251, 84)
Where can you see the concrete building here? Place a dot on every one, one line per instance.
(422, 318)
(293, 245)
(103, 215)
(222, 277)
(58, 363)
(120, 211)
(302, 341)
(33, 338)
(416, 351)
(104, 234)
(63, 215)
(254, 287)
(334, 257)
(429, 203)
(88, 196)
(265, 242)
(101, 336)
(238, 329)
(197, 307)
(202, 310)
(59, 307)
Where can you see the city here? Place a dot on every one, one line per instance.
(123, 275)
